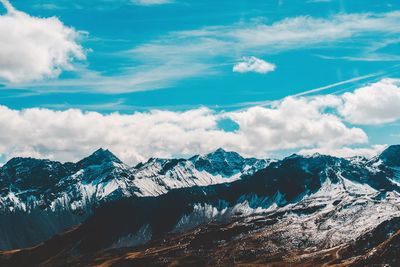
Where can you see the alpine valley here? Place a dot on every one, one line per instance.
(219, 209)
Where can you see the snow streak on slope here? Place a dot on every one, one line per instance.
(153, 180)
(336, 214)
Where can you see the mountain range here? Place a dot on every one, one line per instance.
(40, 198)
(218, 209)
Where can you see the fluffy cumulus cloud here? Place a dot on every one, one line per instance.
(151, 2)
(293, 123)
(33, 48)
(253, 64)
(374, 104)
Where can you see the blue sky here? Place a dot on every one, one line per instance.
(136, 56)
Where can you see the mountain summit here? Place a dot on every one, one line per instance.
(99, 157)
(225, 163)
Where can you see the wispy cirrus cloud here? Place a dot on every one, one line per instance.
(151, 2)
(135, 79)
(319, 1)
(99, 5)
(373, 52)
(209, 46)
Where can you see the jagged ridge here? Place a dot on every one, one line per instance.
(53, 196)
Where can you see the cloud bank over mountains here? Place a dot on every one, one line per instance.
(36, 49)
(310, 124)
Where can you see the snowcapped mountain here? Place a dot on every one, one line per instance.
(27, 183)
(312, 210)
(158, 176)
(63, 195)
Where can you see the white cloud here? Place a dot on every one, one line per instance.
(141, 78)
(286, 34)
(304, 31)
(47, 6)
(293, 123)
(33, 48)
(253, 64)
(309, 124)
(376, 103)
(367, 152)
(151, 2)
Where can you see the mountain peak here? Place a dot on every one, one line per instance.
(103, 152)
(220, 161)
(391, 155)
(220, 150)
(99, 157)
(222, 154)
